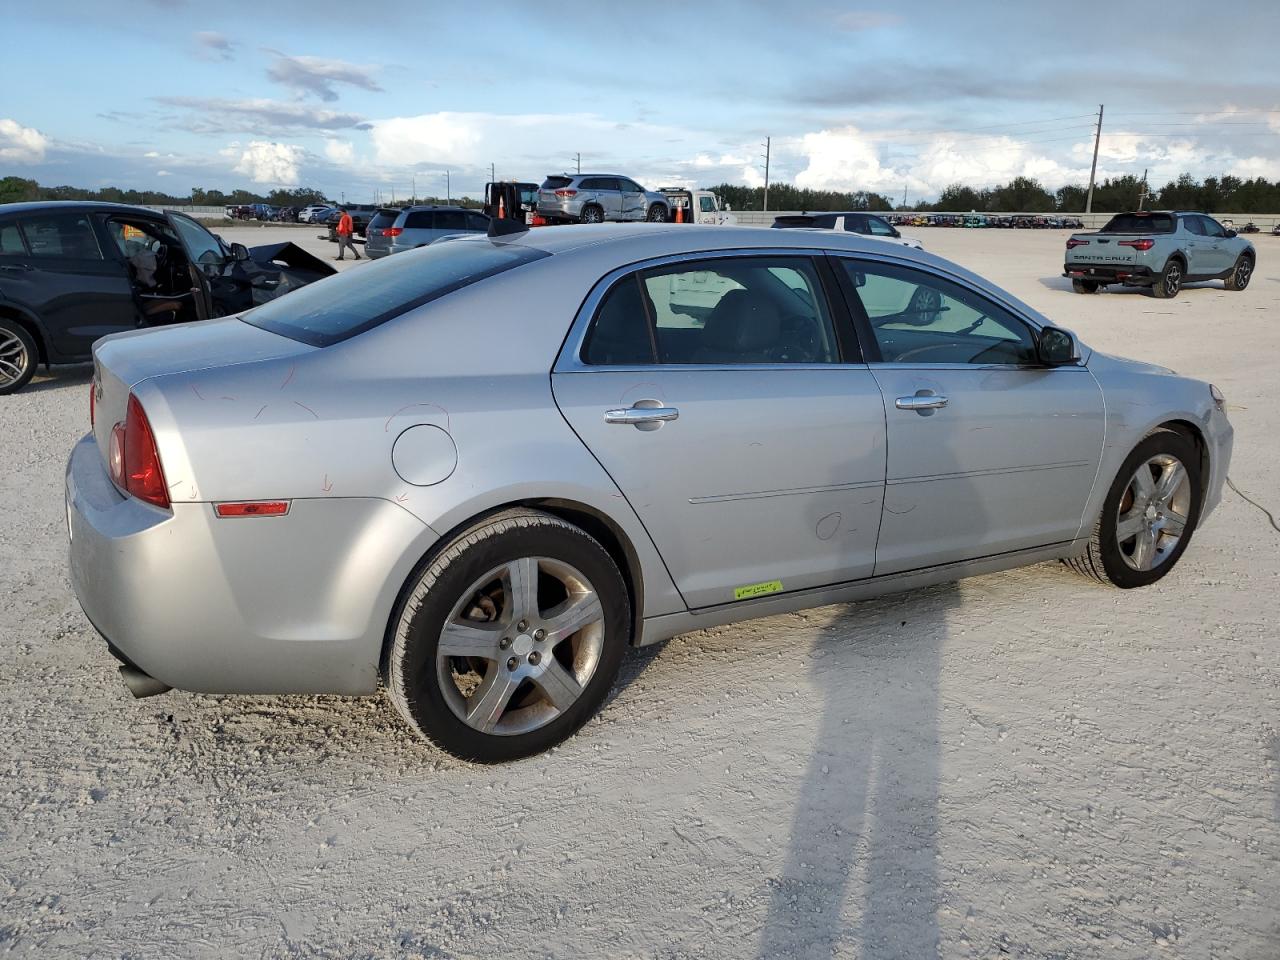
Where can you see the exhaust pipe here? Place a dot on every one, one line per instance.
(141, 684)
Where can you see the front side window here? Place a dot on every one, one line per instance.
(917, 317)
(477, 221)
(739, 310)
(1211, 227)
(629, 186)
(67, 236)
(202, 245)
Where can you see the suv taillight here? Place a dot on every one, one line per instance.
(1144, 244)
(565, 194)
(134, 460)
(393, 231)
(1072, 243)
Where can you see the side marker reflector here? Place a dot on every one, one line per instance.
(255, 508)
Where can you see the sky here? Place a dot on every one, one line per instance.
(377, 99)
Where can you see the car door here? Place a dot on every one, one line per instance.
(77, 292)
(208, 260)
(632, 200)
(745, 435)
(1219, 252)
(989, 451)
(1198, 247)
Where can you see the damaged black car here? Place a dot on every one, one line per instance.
(72, 272)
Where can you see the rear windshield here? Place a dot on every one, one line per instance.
(1140, 223)
(384, 218)
(342, 306)
(555, 183)
(802, 220)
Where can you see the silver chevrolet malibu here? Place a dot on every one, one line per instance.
(478, 471)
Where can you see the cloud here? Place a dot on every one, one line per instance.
(842, 159)
(267, 117)
(341, 152)
(856, 21)
(316, 76)
(265, 162)
(19, 144)
(214, 46)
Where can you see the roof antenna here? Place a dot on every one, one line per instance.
(506, 228)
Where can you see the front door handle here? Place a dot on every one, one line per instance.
(921, 402)
(17, 267)
(645, 414)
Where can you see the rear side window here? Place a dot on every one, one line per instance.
(342, 306)
(420, 220)
(556, 183)
(1140, 223)
(477, 221)
(383, 219)
(11, 240)
(451, 220)
(65, 235)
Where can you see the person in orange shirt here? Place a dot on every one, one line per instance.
(345, 229)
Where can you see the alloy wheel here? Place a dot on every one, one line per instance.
(520, 646)
(14, 358)
(1173, 279)
(1153, 512)
(1244, 270)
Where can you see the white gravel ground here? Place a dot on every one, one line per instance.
(1020, 765)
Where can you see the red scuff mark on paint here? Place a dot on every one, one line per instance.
(448, 423)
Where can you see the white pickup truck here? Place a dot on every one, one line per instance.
(1159, 250)
(697, 206)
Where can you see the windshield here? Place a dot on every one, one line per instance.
(342, 306)
(1140, 223)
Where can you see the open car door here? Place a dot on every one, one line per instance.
(206, 257)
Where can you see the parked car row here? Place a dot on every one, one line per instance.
(980, 220)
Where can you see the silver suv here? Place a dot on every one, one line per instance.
(394, 231)
(597, 197)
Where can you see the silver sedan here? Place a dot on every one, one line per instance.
(478, 471)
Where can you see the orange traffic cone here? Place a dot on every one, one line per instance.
(679, 213)
(502, 208)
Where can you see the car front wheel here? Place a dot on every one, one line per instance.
(508, 640)
(1148, 516)
(657, 213)
(18, 356)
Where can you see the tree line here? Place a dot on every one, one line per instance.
(1225, 194)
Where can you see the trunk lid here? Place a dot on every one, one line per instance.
(123, 360)
(1097, 248)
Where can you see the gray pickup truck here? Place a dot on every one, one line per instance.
(1159, 250)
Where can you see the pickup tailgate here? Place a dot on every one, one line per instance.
(124, 360)
(1097, 249)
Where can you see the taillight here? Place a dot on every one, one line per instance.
(133, 459)
(393, 231)
(565, 194)
(1072, 243)
(1146, 243)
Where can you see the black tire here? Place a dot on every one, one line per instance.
(445, 581)
(1104, 559)
(1169, 282)
(1240, 273)
(657, 214)
(591, 213)
(1084, 286)
(19, 356)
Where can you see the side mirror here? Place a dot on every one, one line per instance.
(859, 279)
(1230, 233)
(239, 252)
(728, 207)
(1057, 347)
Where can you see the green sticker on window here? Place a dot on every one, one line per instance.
(757, 589)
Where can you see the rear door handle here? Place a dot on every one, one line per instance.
(17, 267)
(641, 416)
(926, 402)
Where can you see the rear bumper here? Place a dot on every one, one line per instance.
(1134, 275)
(293, 604)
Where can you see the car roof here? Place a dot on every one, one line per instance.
(34, 206)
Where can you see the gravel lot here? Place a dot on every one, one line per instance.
(1020, 765)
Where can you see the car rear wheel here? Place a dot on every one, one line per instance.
(1084, 286)
(1169, 282)
(1240, 276)
(18, 356)
(657, 213)
(592, 214)
(508, 640)
(1148, 516)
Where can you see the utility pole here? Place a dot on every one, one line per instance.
(493, 174)
(904, 196)
(448, 190)
(1142, 197)
(577, 158)
(768, 141)
(415, 190)
(1093, 170)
